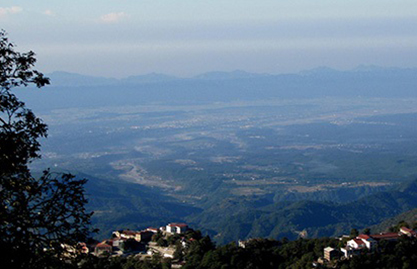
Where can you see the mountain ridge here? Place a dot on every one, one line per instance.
(318, 219)
(156, 89)
(62, 78)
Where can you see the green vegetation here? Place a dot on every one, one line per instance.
(408, 217)
(93, 262)
(123, 205)
(41, 219)
(314, 219)
(401, 254)
(248, 162)
(262, 253)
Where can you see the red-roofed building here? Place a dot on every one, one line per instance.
(356, 243)
(363, 236)
(408, 232)
(152, 229)
(386, 236)
(364, 241)
(370, 243)
(142, 236)
(124, 234)
(176, 228)
(103, 248)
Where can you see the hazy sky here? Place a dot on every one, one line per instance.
(187, 37)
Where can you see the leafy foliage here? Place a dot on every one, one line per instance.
(40, 218)
(20, 128)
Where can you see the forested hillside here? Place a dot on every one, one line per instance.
(305, 218)
(125, 205)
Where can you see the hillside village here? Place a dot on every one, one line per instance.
(163, 242)
(170, 242)
(369, 243)
(145, 242)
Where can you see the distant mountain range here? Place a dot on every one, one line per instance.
(60, 78)
(65, 79)
(237, 74)
(74, 90)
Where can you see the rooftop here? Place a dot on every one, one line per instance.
(385, 236)
(178, 225)
(329, 249)
(103, 245)
(358, 241)
(363, 236)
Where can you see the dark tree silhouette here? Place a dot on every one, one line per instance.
(41, 219)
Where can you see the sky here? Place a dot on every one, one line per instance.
(188, 37)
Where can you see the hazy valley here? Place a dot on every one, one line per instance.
(236, 154)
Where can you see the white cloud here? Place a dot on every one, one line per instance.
(113, 17)
(4, 11)
(49, 12)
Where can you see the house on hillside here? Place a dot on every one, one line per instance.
(176, 228)
(356, 243)
(364, 241)
(118, 242)
(72, 251)
(386, 236)
(370, 243)
(349, 252)
(152, 229)
(142, 236)
(103, 248)
(408, 232)
(125, 234)
(330, 254)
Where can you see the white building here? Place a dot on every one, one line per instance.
(176, 228)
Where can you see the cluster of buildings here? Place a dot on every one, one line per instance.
(128, 241)
(362, 242)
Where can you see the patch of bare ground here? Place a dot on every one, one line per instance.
(262, 182)
(259, 187)
(246, 191)
(133, 172)
(225, 159)
(324, 187)
(185, 162)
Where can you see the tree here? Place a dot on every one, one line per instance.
(354, 232)
(40, 218)
(179, 252)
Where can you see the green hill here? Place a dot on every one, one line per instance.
(409, 217)
(314, 219)
(123, 205)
